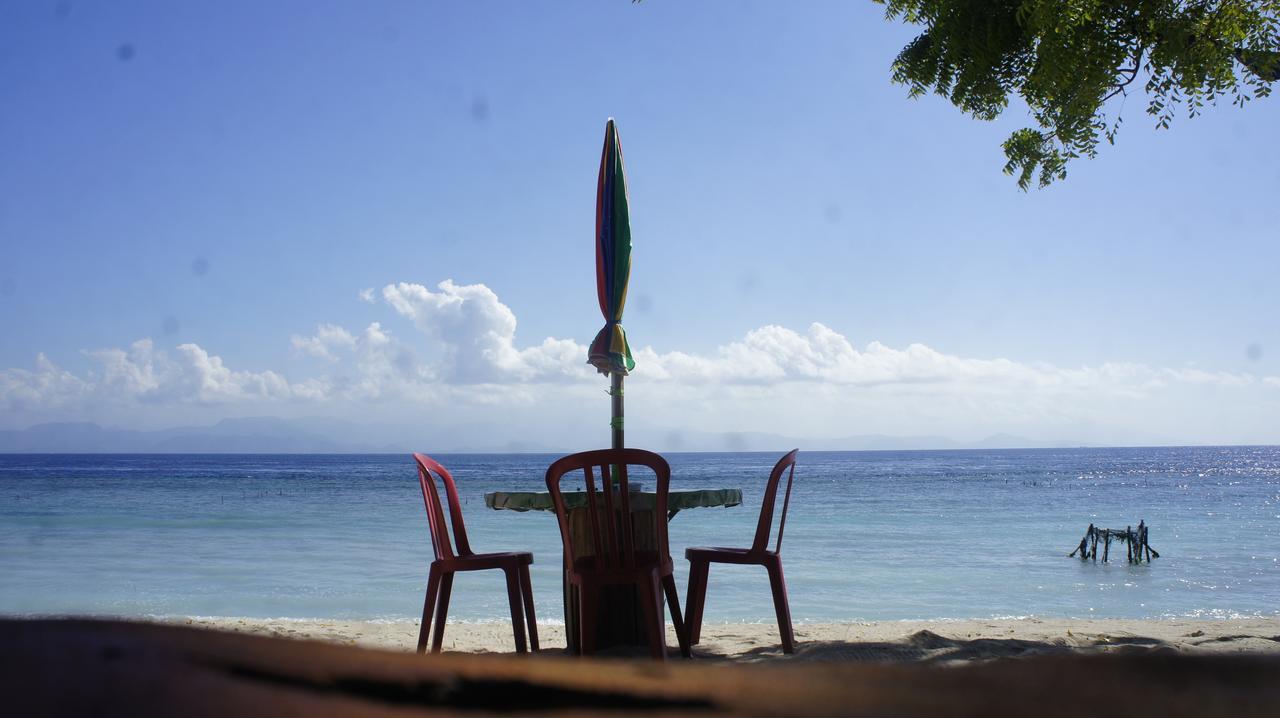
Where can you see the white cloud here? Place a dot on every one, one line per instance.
(476, 334)
(205, 378)
(772, 379)
(385, 368)
(366, 295)
(368, 365)
(328, 337)
(132, 372)
(45, 386)
(143, 374)
(1216, 378)
(775, 355)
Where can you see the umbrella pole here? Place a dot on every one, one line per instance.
(615, 391)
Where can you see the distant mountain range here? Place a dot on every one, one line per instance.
(270, 435)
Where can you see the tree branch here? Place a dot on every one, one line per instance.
(1133, 74)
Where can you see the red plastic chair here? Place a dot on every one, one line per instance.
(449, 562)
(614, 558)
(700, 559)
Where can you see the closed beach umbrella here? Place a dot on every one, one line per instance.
(609, 352)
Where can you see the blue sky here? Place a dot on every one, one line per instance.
(221, 182)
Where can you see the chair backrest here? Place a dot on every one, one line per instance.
(786, 464)
(435, 512)
(608, 505)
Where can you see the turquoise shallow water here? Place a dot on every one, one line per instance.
(871, 535)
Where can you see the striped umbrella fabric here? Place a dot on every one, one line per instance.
(609, 353)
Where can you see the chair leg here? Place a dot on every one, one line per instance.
(696, 599)
(588, 597)
(650, 595)
(673, 603)
(531, 619)
(442, 611)
(572, 614)
(428, 608)
(513, 597)
(781, 605)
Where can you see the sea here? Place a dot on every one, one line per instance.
(870, 536)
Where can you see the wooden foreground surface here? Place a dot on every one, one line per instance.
(74, 667)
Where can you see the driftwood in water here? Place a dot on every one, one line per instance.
(1135, 541)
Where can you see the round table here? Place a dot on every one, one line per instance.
(640, 500)
(621, 622)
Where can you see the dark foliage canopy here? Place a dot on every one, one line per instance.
(1074, 62)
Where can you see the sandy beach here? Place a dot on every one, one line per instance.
(887, 641)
